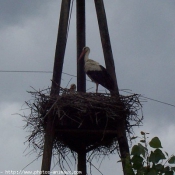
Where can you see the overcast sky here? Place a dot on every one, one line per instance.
(142, 37)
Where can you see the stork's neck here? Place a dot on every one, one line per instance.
(86, 56)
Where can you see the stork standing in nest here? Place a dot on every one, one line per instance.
(96, 72)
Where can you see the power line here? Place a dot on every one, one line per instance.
(158, 101)
(124, 90)
(19, 71)
(24, 71)
(148, 98)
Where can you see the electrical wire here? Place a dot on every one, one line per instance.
(21, 71)
(124, 90)
(70, 14)
(148, 98)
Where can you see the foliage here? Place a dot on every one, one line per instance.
(145, 162)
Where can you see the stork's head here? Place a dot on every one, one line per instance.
(85, 50)
(73, 87)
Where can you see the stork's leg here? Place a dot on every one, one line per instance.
(96, 87)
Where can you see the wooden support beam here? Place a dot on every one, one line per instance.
(60, 46)
(82, 160)
(123, 143)
(109, 61)
(56, 81)
(81, 76)
(48, 144)
(105, 40)
(84, 131)
(81, 42)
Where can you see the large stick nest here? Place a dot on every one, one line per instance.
(91, 119)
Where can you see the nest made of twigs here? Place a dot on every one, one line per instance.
(91, 119)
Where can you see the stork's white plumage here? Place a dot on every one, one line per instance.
(96, 72)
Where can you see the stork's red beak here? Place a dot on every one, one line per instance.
(81, 55)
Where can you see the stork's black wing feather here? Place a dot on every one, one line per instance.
(101, 77)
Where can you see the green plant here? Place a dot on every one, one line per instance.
(145, 162)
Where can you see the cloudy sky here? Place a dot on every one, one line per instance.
(142, 37)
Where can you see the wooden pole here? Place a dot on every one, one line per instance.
(123, 143)
(82, 160)
(60, 46)
(81, 42)
(57, 71)
(105, 40)
(81, 76)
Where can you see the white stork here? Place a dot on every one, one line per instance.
(72, 88)
(96, 72)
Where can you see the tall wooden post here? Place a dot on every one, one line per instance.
(105, 39)
(81, 42)
(82, 160)
(81, 76)
(60, 46)
(57, 71)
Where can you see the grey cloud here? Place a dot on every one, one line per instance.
(16, 12)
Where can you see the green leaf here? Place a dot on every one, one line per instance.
(159, 167)
(135, 150)
(137, 162)
(142, 149)
(169, 173)
(156, 156)
(172, 160)
(128, 166)
(140, 172)
(155, 143)
(138, 150)
(129, 171)
(152, 157)
(152, 172)
(172, 168)
(167, 168)
(159, 154)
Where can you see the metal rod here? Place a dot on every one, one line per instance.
(56, 81)
(105, 40)
(81, 42)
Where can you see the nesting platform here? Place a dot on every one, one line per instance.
(89, 119)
